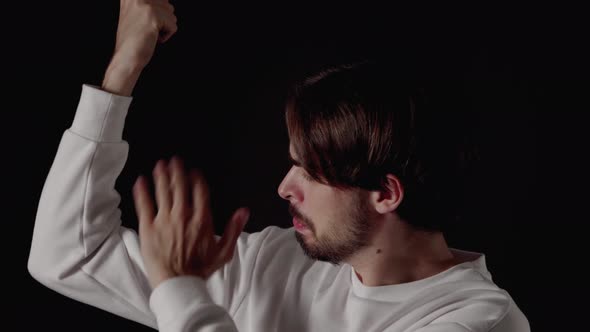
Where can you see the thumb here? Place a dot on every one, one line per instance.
(234, 228)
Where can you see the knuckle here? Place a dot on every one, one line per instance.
(182, 213)
(149, 13)
(158, 220)
(143, 5)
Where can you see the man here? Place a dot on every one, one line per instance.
(367, 193)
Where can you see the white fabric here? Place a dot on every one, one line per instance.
(80, 250)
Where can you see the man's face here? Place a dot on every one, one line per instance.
(331, 224)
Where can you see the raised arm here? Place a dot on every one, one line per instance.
(79, 247)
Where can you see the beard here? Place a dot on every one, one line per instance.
(347, 235)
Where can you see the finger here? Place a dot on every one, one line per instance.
(205, 235)
(202, 222)
(168, 22)
(179, 187)
(167, 32)
(144, 206)
(201, 199)
(162, 183)
(234, 228)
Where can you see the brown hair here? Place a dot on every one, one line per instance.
(352, 125)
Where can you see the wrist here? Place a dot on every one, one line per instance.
(160, 276)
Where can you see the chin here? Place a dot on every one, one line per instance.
(312, 251)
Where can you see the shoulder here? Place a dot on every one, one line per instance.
(269, 237)
(272, 244)
(513, 321)
(279, 258)
(279, 243)
(484, 308)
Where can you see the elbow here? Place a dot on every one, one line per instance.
(53, 255)
(34, 265)
(46, 270)
(41, 263)
(36, 256)
(34, 269)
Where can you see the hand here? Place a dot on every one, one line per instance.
(142, 23)
(179, 239)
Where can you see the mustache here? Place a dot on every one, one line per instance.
(296, 214)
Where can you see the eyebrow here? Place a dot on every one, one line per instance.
(293, 161)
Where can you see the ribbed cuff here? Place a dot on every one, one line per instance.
(174, 295)
(100, 115)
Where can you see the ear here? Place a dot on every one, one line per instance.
(389, 198)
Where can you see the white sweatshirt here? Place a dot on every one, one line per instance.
(80, 250)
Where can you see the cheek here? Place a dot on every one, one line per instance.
(340, 209)
(323, 209)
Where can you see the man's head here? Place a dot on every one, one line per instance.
(365, 143)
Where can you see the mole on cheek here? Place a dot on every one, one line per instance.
(378, 251)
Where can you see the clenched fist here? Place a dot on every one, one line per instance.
(142, 23)
(178, 239)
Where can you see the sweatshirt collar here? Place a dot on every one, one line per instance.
(474, 268)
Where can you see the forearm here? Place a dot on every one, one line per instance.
(78, 206)
(121, 77)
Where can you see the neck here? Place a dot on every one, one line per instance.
(398, 253)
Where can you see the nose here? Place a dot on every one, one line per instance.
(288, 188)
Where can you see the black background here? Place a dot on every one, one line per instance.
(214, 95)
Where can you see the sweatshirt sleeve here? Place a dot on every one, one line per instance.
(80, 248)
(183, 304)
